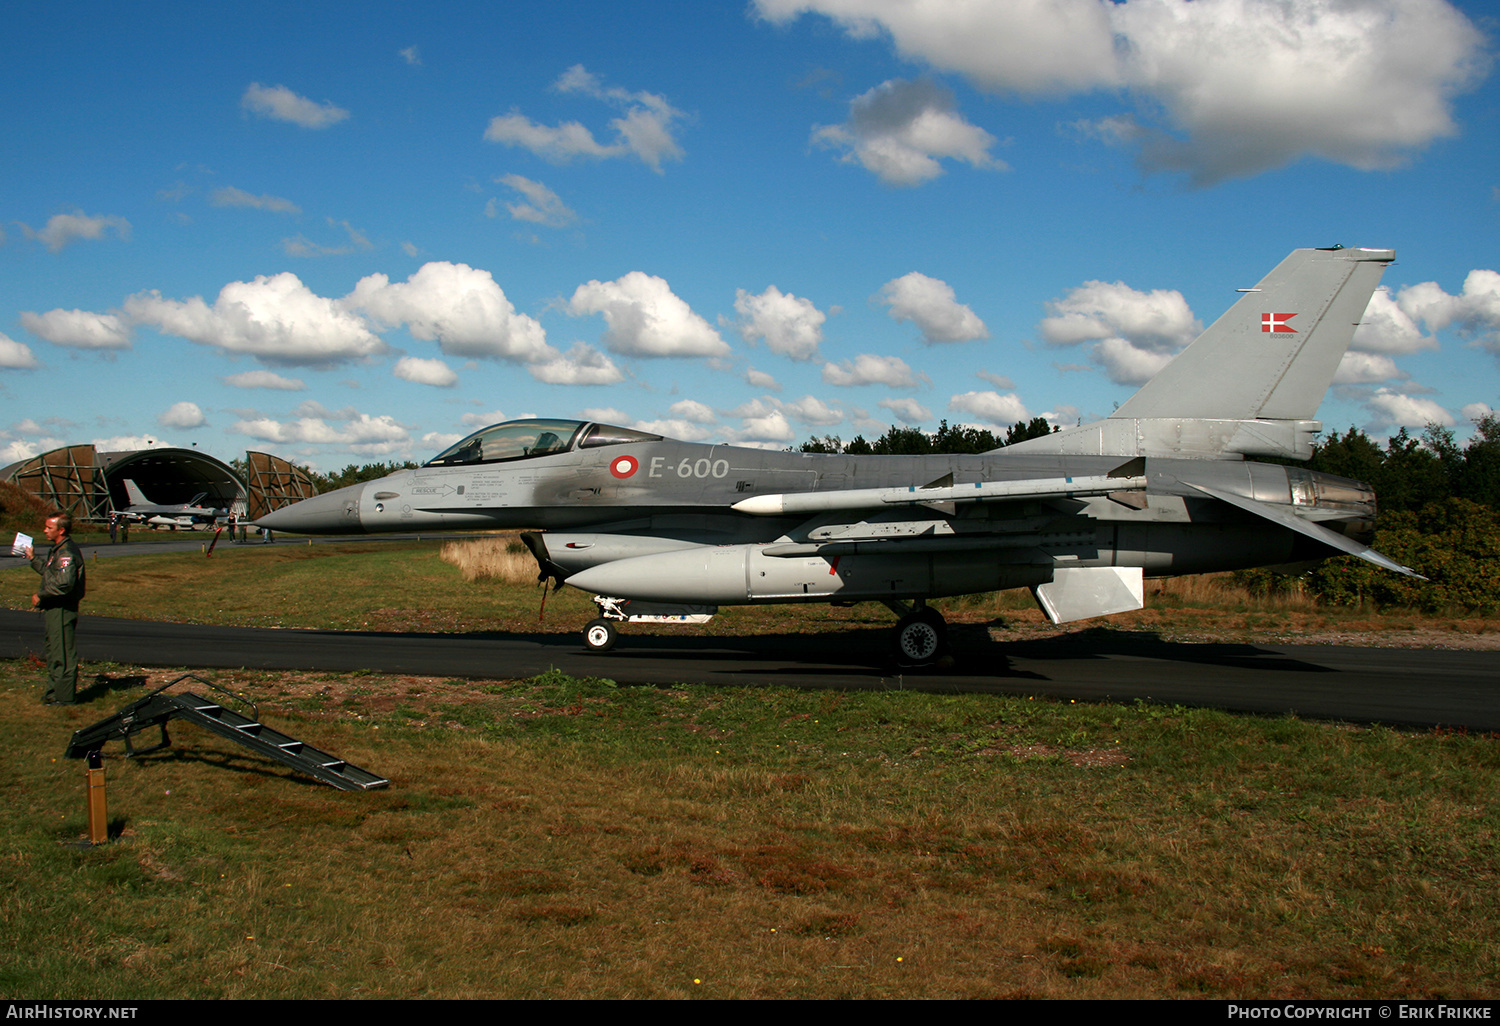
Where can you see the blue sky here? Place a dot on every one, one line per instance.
(345, 233)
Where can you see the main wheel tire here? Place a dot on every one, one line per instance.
(920, 638)
(600, 635)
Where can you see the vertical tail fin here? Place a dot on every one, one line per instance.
(1251, 383)
(1272, 356)
(133, 491)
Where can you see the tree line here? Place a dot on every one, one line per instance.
(913, 441)
(1439, 514)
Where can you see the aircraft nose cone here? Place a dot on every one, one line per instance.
(334, 513)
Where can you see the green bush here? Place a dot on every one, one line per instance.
(1455, 545)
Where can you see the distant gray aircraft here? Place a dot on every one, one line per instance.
(187, 515)
(664, 530)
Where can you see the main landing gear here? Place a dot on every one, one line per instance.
(921, 635)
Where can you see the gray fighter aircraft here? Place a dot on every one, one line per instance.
(664, 530)
(186, 515)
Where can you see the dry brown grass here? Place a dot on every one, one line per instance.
(1224, 590)
(501, 557)
(21, 511)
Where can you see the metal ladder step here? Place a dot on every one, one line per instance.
(156, 708)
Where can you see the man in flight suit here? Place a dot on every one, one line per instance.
(58, 597)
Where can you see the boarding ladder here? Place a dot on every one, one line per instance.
(156, 708)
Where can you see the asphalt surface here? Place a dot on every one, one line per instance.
(1420, 687)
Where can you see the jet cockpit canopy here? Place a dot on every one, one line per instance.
(524, 439)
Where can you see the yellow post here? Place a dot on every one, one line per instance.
(98, 816)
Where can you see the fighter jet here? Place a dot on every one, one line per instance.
(187, 515)
(662, 530)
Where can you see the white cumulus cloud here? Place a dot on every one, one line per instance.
(1395, 409)
(1251, 85)
(580, 365)
(360, 433)
(991, 407)
(281, 104)
(644, 130)
(229, 196)
(1224, 88)
(559, 144)
(15, 355)
(1474, 312)
(646, 127)
(265, 379)
(62, 229)
(762, 422)
(182, 415)
(278, 320)
(129, 443)
(458, 306)
(931, 305)
(1386, 328)
(1135, 333)
(540, 206)
(869, 369)
(790, 325)
(1026, 46)
(1477, 411)
(645, 318)
(79, 329)
(1357, 368)
(484, 420)
(14, 450)
(670, 427)
(693, 411)
(760, 379)
(425, 372)
(908, 411)
(810, 410)
(900, 131)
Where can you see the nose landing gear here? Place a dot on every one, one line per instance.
(600, 635)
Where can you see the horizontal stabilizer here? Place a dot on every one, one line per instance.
(1077, 593)
(979, 491)
(1287, 518)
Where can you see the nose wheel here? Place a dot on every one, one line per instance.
(600, 635)
(921, 637)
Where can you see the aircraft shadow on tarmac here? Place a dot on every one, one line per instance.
(974, 653)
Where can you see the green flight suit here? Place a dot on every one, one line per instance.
(58, 597)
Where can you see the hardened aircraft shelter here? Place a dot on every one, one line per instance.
(90, 485)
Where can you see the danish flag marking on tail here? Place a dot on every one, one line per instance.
(1277, 322)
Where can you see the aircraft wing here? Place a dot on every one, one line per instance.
(1124, 478)
(1287, 518)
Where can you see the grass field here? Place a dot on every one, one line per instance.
(570, 838)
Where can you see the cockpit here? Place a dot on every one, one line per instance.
(526, 439)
